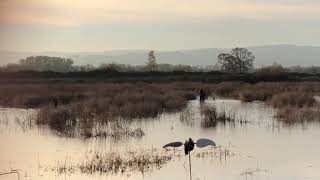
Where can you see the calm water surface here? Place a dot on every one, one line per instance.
(263, 148)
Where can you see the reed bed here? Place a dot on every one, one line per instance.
(72, 123)
(112, 163)
(263, 91)
(64, 106)
(128, 162)
(100, 106)
(296, 107)
(293, 99)
(211, 117)
(37, 95)
(292, 115)
(116, 163)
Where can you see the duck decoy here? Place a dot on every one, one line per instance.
(189, 146)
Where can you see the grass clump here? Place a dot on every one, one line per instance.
(211, 117)
(128, 162)
(75, 122)
(61, 120)
(115, 163)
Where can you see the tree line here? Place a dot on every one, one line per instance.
(238, 60)
(42, 63)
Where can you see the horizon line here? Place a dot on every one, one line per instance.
(161, 50)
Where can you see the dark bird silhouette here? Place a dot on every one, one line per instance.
(55, 101)
(202, 95)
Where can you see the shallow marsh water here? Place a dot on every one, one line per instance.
(262, 148)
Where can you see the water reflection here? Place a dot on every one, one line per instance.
(263, 148)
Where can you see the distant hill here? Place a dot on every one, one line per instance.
(286, 55)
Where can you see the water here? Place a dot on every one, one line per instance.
(262, 148)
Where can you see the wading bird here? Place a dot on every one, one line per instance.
(189, 146)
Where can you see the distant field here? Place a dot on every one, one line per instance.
(107, 76)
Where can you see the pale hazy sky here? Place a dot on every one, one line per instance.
(94, 25)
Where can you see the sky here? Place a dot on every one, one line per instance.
(99, 25)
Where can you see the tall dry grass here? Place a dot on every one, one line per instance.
(263, 91)
(293, 99)
(63, 105)
(211, 117)
(67, 107)
(296, 107)
(37, 95)
(293, 115)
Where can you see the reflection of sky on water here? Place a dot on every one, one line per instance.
(264, 146)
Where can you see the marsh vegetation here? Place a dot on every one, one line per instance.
(211, 117)
(129, 162)
(113, 163)
(97, 110)
(137, 158)
(295, 102)
(106, 109)
(131, 113)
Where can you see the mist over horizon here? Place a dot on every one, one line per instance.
(180, 32)
(64, 26)
(287, 55)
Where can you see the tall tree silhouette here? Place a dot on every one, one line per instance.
(239, 60)
(151, 64)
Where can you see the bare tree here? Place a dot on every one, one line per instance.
(239, 60)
